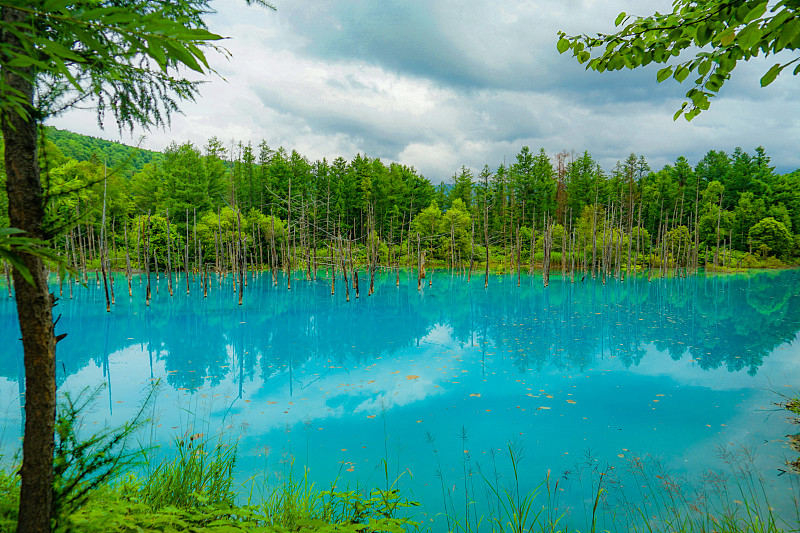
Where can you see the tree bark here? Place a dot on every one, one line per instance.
(34, 301)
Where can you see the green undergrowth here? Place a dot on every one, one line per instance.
(194, 492)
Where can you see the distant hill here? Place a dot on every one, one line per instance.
(83, 147)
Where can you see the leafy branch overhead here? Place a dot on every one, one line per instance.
(126, 58)
(706, 38)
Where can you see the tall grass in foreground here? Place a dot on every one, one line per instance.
(641, 496)
(193, 491)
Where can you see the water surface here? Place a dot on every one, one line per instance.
(428, 390)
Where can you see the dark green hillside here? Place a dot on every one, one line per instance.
(82, 148)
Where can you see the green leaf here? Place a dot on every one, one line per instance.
(17, 263)
(620, 18)
(681, 73)
(788, 34)
(704, 34)
(771, 74)
(664, 74)
(749, 36)
(727, 37)
(562, 45)
(756, 13)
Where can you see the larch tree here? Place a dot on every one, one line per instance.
(125, 56)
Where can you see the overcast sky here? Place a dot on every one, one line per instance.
(437, 84)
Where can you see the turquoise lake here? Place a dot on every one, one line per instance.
(433, 387)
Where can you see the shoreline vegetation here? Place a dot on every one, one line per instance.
(106, 484)
(239, 208)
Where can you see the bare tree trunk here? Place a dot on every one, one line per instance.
(169, 256)
(719, 217)
(186, 253)
(486, 243)
(288, 237)
(344, 270)
(471, 251)
(419, 264)
(274, 261)
(103, 250)
(148, 292)
(548, 246)
(128, 273)
(241, 255)
(333, 269)
(533, 242)
(519, 253)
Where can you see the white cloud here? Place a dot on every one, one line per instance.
(439, 84)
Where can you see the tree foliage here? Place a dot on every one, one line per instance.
(705, 38)
(771, 237)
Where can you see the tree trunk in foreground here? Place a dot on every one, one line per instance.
(34, 301)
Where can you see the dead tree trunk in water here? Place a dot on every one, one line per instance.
(169, 256)
(186, 253)
(128, 272)
(420, 273)
(241, 248)
(274, 258)
(148, 293)
(547, 243)
(103, 250)
(486, 243)
(471, 250)
(344, 269)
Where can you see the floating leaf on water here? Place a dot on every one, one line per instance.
(476, 394)
(412, 376)
(571, 401)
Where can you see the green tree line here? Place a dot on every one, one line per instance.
(735, 200)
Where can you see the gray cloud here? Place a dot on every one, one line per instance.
(440, 83)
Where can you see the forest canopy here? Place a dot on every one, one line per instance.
(734, 198)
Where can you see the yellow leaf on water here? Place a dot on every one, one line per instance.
(476, 394)
(412, 376)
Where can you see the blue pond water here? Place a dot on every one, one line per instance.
(431, 388)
